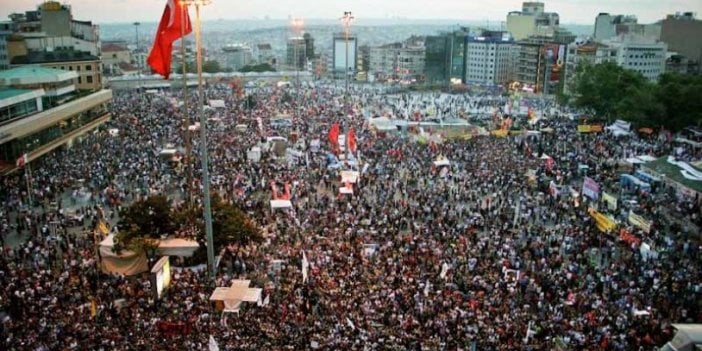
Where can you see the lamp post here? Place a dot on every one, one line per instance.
(346, 20)
(138, 60)
(186, 113)
(207, 210)
(297, 24)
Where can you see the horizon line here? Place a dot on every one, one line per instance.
(336, 19)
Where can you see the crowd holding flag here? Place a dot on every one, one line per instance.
(175, 23)
(351, 140)
(334, 136)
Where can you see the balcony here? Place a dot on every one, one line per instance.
(34, 123)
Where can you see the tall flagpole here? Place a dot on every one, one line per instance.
(186, 117)
(203, 139)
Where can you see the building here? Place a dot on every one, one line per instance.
(445, 57)
(637, 53)
(580, 52)
(86, 65)
(236, 56)
(295, 53)
(682, 33)
(609, 26)
(344, 55)
(489, 57)
(264, 53)
(309, 46)
(397, 61)
(41, 109)
(114, 54)
(4, 55)
(680, 64)
(531, 20)
(363, 63)
(538, 64)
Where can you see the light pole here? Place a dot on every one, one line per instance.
(207, 210)
(297, 25)
(346, 20)
(186, 112)
(138, 60)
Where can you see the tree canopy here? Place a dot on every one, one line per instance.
(262, 67)
(613, 92)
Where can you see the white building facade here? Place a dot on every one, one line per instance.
(490, 58)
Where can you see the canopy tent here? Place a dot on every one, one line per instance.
(130, 263)
(217, 104)
(276, 204)
(349, 177)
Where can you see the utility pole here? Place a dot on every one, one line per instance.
(136, 32)
(186, 113)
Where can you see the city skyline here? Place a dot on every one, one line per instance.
(570, 11)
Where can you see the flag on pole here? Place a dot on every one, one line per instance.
(334, 136)
(213, 344)
(169, 30)
(351, 140)
(305, 267)
(22, 160)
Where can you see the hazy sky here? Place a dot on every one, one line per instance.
(571, 11)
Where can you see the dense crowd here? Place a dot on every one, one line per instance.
(480, 253)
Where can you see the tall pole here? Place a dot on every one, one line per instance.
(186, 113)
(28, 178)
(347, 23)
(136, 32)
(203, 140)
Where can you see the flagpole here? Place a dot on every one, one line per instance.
(203, 137)
(186, 117)
(28, 178)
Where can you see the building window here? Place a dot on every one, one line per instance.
(78, 68)
(88, 67)
(70, 68)
(89, 79)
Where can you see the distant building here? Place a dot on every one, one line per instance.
(363, 63)
(344, 55)
(683, 34)
(86, 65)
(637, 53)
(608, 26)
(489, 57)
(676, 63)
(4, 55)
(532, 20)
(399, 61)
(236, 56)
(264, 53)
(538, 64)
(41, 110)
(114, 54)
(445, 57)
(309, 46)
(296, 56)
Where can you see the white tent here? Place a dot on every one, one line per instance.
(217, 104)
(276, 204)
(130, 263)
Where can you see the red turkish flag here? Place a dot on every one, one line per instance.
(334, 136)
(351, 140)
(175, 23)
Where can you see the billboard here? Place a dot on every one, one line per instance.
(161, 275)
(340, 54)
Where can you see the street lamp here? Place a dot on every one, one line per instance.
(346, 20)
(296, 25)
(136, 51)
(207, 209)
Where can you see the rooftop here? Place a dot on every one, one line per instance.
(112, 47)
(34, 74)
(7, 93)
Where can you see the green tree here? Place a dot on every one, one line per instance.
(143, 223)
(230, 225)
(211, 67)
(262, 67)
(681, 98)
(603, 86)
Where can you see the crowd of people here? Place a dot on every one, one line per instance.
(481, 254)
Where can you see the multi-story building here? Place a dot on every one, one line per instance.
(682, 33)
(236, 56)
(4, 57)
(676, 63)
(296, 53)
(264, 53)
(638, 53)
(608, 26)
(445, 57)
(531, 20)
(489, 57)
(113, 55)
(400, 61)
(538, 64)
(344, 55)
(41, 109)
(363, 64)
(309, 46)
(86, 65)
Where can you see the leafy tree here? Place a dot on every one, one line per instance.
(211, 67)
(681, 98)
(262, 67)
(230, 225)
(143, 223)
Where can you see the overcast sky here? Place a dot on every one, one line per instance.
(570, 11)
